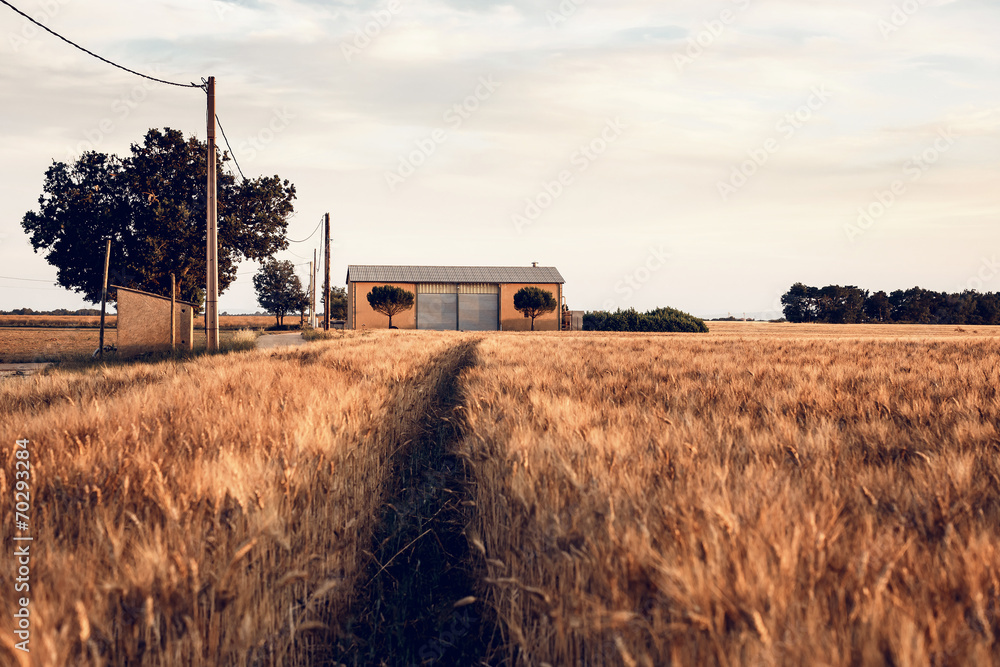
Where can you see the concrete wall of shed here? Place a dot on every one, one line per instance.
(144, 323)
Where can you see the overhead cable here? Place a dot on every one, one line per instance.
(311, 235)
(91, 53)
(231, 153)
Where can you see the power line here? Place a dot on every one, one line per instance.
(52, 289)
(88, 52)
(250, 273)
(33, 280)
(231, 153)
(308, 237)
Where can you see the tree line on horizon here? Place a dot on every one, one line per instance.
(836, 304)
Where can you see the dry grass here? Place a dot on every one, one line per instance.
(209, 511)
(59, 321)
(244, 321)
(839, 331)
(764, 495)
(93, 321)
(23, 344)
(736, 499)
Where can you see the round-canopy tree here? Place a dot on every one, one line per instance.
(151, 204)
(534, 301)
(390, 300)
(279, 290)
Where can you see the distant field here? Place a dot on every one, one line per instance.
(59, 321)
(74, 321)
(31, 344)
(28, 344)
(827, 331)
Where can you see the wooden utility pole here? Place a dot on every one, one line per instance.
(173, 312)
(212, 265)
(326, 282)
(104, 297)
(313, 269)
(312, 305)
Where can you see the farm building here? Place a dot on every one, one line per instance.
(144, 322)
(456, 298)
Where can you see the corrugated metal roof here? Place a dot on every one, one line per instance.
(453, 274)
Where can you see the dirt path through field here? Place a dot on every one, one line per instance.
(416, 607)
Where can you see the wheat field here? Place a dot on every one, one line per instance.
(739, 500)
(760, 495)
(211, 511)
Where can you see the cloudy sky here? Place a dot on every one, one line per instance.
(698, 154)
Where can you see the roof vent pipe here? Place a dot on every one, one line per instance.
(535, 264)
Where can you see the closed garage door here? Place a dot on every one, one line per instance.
(478, 307)
(437, 307)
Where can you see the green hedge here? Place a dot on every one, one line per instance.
(658, 320)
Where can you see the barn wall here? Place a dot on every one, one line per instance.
(512, 320)
(361, 315)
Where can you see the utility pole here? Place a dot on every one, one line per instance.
(212, 265)
(104, 297)
(312, 303)
(173, 312)
(326, 283)
(319, 271)
(314, 267)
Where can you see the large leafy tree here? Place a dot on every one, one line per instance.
(799, 303)
(390, 300)
(279, 290)
(151, 204)
(534, 301)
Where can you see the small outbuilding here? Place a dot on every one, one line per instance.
(453, 298)
(144, 323)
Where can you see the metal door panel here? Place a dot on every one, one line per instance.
(478, 312)
(438, 312)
